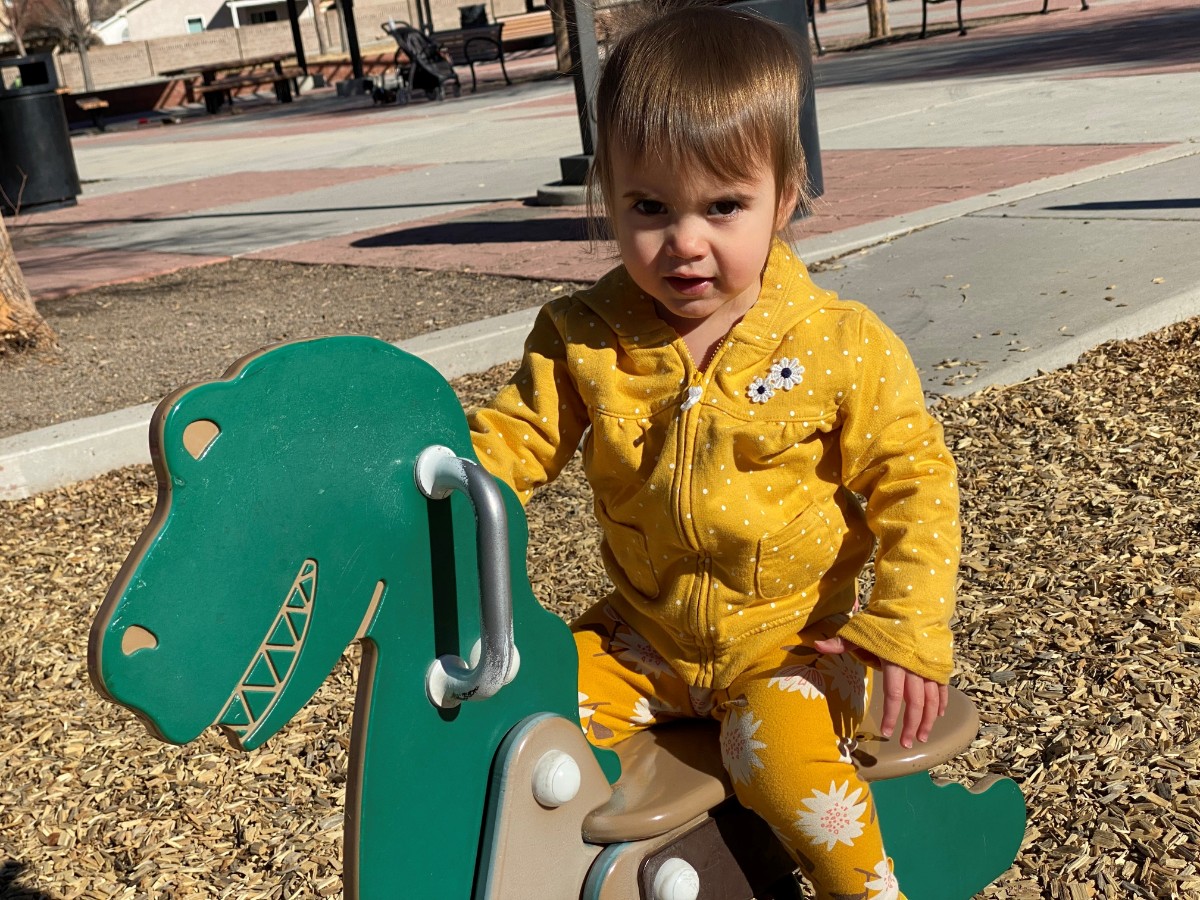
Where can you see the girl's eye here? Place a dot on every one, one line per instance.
(649, 207)
(724, 208)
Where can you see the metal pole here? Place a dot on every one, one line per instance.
(294, 18)
(356, 65)
(794, 14)
(585, 71)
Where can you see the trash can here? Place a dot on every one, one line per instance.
(37, 164)
(472, 16)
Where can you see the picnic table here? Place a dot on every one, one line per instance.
(218, 80)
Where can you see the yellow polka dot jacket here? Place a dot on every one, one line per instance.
(725, 494)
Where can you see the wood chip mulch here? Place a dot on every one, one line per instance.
(1079, 640)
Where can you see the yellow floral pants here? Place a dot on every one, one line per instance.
(787, 731)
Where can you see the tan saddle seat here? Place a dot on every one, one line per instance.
(673, 774)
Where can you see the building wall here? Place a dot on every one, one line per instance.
(140, 59)
(168, 18)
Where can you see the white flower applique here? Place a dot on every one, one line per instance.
(694, 393)
(761, 390)
(785, 374)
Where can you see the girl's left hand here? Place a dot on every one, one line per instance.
(923, 700)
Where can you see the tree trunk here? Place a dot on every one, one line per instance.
(21, 327)
(877, 17)
(89, 84)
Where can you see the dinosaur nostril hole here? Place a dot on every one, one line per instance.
(199, 435)
(137, 638)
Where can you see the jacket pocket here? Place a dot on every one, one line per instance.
(625, 550)
(795, 556)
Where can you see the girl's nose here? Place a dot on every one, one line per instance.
(685, 239)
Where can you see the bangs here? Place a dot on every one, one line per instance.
(705, 89)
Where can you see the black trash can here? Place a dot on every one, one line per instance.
(472, 16)
(37, 164)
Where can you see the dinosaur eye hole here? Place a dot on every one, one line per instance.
(198, 437)
(137, 638)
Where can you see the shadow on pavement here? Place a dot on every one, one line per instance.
(1186, 203)
(1159, 39)
(474, 231)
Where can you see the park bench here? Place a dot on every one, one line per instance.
(283, 82)
(94, 106)
(325, 491)
(467, 46)
(962, 29)
(527, 31)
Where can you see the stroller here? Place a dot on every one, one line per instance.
(418, 65)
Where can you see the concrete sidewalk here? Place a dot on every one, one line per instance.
(1005, 200)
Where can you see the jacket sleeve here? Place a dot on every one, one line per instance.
(895, 455)
(529, 431)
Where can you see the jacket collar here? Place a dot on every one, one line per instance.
(787, 295)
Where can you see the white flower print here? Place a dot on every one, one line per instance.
(761, 390)
(786, 373)
(701, 700)
(647, 710)
(884, 883)
(629, 646)
(832, 818)
(739, 749)
(806, 680)
(585, 712)
(846, 747)
(846, 677)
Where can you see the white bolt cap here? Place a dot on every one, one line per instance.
(556, 779)
(676, 880)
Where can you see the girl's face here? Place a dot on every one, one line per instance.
(695, 243)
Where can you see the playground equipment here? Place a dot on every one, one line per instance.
(325, 491)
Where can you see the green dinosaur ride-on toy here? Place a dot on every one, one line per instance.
(325, 491)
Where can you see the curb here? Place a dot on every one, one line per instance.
(48, 458)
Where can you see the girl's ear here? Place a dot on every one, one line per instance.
(787, 206)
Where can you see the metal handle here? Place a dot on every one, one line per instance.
(450, 679)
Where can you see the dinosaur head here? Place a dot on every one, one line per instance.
(284, 491)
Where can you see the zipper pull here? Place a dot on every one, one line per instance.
(693, 397)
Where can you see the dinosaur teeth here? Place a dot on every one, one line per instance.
(265, 678)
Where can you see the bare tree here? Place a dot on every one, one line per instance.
(21, 326)
(877, 18)
(17, 17)
(70, 23)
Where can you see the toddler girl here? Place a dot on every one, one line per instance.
(729, 410)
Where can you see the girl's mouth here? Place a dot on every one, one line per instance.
(688, 286)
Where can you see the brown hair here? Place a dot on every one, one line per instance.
(702, 86)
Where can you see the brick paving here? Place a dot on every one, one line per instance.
(862, 186)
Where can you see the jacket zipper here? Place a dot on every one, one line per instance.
(690, 411)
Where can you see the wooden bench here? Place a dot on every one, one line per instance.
(467, 46)
(222, 88)
(95, 106)
(527, 31)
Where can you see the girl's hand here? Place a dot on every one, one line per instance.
(923, 700)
